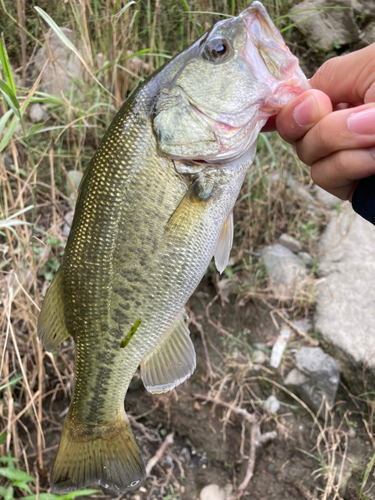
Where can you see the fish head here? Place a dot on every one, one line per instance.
(224, 88)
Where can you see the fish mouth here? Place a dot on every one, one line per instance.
(270, 60)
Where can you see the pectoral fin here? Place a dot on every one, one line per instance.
(171, 362)
(224, 244)
(51, 323)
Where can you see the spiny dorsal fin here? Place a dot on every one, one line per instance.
(171, 362)
(51, 323)
(224, 244)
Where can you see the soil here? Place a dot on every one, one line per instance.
(207, 441)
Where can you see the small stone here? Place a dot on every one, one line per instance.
(316, 378)
(286, 271)
(214, 492)
(259, 357)
(291, 243)
(37, 113)
(272, 405)
(295, 378)
(306, 259)
(303, 324)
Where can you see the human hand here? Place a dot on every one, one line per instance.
(340, 145)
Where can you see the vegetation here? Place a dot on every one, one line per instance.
(118, 44)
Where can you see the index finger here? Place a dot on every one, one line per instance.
(349, 78)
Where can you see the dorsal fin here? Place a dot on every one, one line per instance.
(224, 244)
(172, 361)
(51, 323)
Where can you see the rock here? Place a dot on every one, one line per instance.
(291, 243)
(259, 357)
(303, 324)
(361, 7)
(295, 378)
(272, 405)
(285, 270)
(68, 224)
(306, 259)
(37, 113)
(317, 376)
(74, 179)
(214, 492)
(329, 28)
(345, 313)
(279, 347)
(368, 35)
(327, 199)
(66, 64)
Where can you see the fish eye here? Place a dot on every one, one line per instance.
(218, 49)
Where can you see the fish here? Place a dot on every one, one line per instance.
(154, 206)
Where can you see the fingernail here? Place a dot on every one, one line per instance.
(305, 112)
(363, 122)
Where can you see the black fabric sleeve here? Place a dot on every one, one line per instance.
(363, 200)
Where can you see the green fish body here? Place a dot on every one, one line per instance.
(154, 206)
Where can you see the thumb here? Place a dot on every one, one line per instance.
(301, 114)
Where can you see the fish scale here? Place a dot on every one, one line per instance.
(154, 206)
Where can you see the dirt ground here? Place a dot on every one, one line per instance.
(212, 446)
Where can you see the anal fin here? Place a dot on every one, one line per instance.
(171, 362)
(51, 323)
(224, 244)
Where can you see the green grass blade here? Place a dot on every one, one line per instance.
(11, 382)
(10, 131)
(4, 119)
(6, 68)
(10, 97)
(366, 475)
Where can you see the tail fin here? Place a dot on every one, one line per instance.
(108, 456)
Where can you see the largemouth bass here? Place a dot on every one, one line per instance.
(154, 206)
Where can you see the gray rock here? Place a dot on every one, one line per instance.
(317, 376)
(361, 7)
(286, 271)
(74, 179)
(37, 113)
(291, 243)
(66, 66)
(272, 405)
(306, 259)
(295, 378)
(368, 35)
(327, 199)
(68, 224)
(259, 357)
(326, 29)
(303, 324)
(345, 313)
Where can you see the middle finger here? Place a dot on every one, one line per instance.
(345, 129)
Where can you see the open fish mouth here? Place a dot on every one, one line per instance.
(270, 60)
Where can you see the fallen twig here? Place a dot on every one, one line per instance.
(155, 459)
(256, 437)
